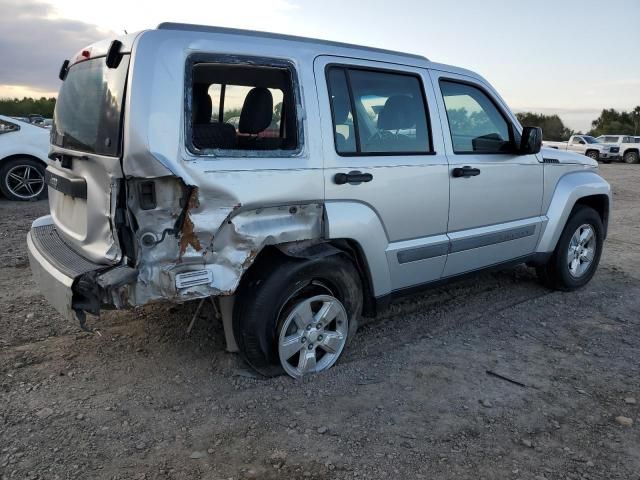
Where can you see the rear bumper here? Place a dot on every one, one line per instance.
(55, 266)
(53, 284)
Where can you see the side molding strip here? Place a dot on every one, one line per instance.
(415, 254)
(422, 253)
(492, 238)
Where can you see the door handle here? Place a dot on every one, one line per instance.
(465, 172)
(353, 178)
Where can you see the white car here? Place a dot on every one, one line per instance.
(627, 146)
(23, 159)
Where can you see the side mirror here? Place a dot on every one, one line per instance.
(531, 141)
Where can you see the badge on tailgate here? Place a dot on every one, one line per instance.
(74, 187)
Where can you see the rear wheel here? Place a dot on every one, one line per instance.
(593, 154)
(577, 254)
(297, 316)
(631, 157)
(22, 178)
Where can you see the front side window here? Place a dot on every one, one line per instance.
(475, 123)
(242, 107)
(390, 114)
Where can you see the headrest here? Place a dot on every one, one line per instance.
(341, 109)
(201, 104)
(399, 112)
(257, 111)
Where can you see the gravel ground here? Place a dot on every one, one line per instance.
(411, 398)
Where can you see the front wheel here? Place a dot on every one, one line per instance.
(577, 254)
(593, 154)
(296, 316)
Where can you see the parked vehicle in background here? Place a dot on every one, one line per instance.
(586, 145)
(387, 173)
(23, 159)
(628, 148)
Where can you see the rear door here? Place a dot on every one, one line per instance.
(377, 121)
(496, 194)
(86, 145)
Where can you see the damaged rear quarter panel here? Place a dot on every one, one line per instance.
(243, 202)
(220, 232)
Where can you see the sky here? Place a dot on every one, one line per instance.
(570, 57)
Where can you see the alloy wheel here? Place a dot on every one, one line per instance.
(582, 250)
(24, 181)
(313, 335)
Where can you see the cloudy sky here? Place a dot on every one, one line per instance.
(571, 57)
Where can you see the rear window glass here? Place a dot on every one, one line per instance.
(88, 112)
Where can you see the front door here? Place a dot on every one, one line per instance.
(382, 155)
(496, 194)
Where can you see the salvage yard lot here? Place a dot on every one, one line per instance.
(409, 399)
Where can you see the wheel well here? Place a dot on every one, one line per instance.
(270, 255)
(22, 155)
(600, 203)
(631, 150)
(592, 150)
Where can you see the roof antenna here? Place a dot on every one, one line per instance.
(125, 32)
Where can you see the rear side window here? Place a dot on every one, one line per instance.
(390, 112)
(475, 123)
(240, 107)
(88, 113)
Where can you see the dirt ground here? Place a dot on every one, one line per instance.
(411, 398)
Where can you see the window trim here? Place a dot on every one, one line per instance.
(346, 67)
(249, 61)
(501, 111)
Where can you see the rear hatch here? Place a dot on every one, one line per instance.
(85, 174)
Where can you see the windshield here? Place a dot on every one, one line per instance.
(88, 111)
(589, 139)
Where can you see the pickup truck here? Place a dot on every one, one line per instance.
(626, 145)
(586, 145)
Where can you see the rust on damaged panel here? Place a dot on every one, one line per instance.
(188, 235)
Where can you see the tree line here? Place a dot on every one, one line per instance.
(14, 107)
(609, 122)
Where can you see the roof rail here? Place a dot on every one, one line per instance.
(188, 27)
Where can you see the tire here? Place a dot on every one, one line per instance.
(266, 313)
(22, 179)
(631, 157)
(593, 154)
(557, 274)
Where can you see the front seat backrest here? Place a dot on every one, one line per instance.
(398, 113)
(257, 111)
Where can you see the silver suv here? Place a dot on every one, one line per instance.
(298, 183)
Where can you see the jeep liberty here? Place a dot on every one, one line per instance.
(299, 183)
